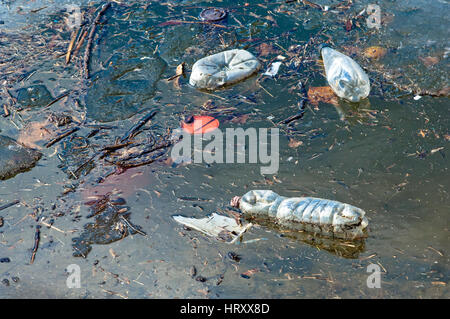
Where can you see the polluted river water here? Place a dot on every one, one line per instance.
(102, 195)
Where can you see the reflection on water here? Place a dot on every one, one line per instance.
(343, 248)
(387, 155)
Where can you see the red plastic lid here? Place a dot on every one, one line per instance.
(200, 124)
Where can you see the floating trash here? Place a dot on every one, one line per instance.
(223, 68)
(273, 69)
(221, 227)
(321, 216)
(347, 79)
(213, 14)
(200, 124)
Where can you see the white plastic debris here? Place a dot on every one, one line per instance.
(322, 216)
(218, 226)
(223, 68)
(273, 69)
(347, 79)
(417, 97)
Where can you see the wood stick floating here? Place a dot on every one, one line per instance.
(87, 52)
(37, 238)
(9, 204)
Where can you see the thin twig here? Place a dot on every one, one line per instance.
(69, 49)
(132, 131)
(62, 95)
(61, 136)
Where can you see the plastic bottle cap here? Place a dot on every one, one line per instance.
(321, 46)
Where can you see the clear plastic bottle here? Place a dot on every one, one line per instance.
(321, 216)
(347, 79)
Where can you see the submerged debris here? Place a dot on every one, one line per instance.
(233, 256)
(111, 224)
(34, 96)
(15, 158)
(193, 271)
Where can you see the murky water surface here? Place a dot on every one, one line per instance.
(387, 155)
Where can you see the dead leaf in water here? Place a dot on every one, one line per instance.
(322, 94)
(375, 52)
(254, 15)
(444, 91)
(436, 150)
(113, 253)
(204, 292)
(265, 49)
(348, 25)
(240, 119)
(351, 50)
(387, 18)
(294, 143)
(438, 283)
(422, 133)
(271, 19)
(157, 193)
(250, 272)
(429, 61)
(208, 105)
(193, 50)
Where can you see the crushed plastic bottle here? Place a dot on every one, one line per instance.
(347, 79)
(223, 68)
(321, 216)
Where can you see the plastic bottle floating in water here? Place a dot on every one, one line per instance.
(321, 216)
(347, 79)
